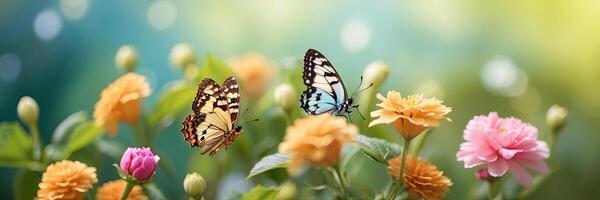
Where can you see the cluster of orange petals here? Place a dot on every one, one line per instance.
(255, 71)
(112, 191)
(66, 180)
(421, 178)
(411, 115)
(121, 101)
(316, 140)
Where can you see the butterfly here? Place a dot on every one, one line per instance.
(213, 122)
(325, 89)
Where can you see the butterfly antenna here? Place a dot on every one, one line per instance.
(254, 120)
(358, 90)
(359, 86)
(244, 113)
(361, 115)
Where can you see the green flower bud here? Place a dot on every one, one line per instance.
(126, 58)
(285, 96)
(287, 191)
(182, 55)
(28, 110)
(376, 73)
(556, 117)
(194, 185)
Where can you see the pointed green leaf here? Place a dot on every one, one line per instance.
(15, 146)
(269, 162)
(82, 135)
(65, 127)
(378, 149)
(261, 193)
(176, 99)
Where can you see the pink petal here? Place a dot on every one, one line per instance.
(146, 170)
(126, 159)
(498, 167)
(135, 164)
(537, 165)
(509, 153)
(521, 174)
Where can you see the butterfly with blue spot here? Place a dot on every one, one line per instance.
(325, 89)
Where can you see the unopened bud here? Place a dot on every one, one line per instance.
(126, 58)
(182, 55)
(28, 110)
(376, 73)
(285, 96)
(556, 117)
(194, 185)
(287, 191)
(482, 174)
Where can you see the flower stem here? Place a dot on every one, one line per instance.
(402, 166)
(341, 181)
(495, 185)
(128, 189)
(37, 144)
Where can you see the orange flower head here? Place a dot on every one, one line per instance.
(411, 115)
(121, 101)
(66, 180)
(421, 178)
(316, 140)
(255, 71)
(112, 191)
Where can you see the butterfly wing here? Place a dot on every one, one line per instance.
(231, 92)
(202, 104)
(326, 90)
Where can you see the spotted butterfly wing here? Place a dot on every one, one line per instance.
(213, 122)
(325, 90)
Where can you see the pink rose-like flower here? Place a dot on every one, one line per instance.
(503, 144)
(139, 163)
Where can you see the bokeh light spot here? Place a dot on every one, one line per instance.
(74, 9)
(161, 14)
(47, 25)
(355, 35)
(502, 77)
(10, 67)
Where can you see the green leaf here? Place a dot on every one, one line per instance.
(215, 68)
(348, 152)
(26, 184)
(261, 193)
(112, 149)
(15, 146)
(176, 99)
(82, 135)
(378, 149)
(269, 162)
(66, 127)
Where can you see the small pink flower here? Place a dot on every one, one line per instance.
(139, 163)
(482, 174)
(504, 144)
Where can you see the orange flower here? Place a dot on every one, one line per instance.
(411, 115)
(112, 191)
(255, 71)
(421, 178)
(66, 180)
(121, 101)
(316, 140)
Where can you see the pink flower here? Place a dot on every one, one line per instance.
(504, 144)
(482, 174)
(139, 163)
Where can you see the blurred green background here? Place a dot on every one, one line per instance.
(513, 57)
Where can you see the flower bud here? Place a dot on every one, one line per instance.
(482, 174)
(194, 185)
(287, 191)
(191, 72)
(556, 117)
(182, 55)
(126, 58)
(28, 110)
(376, 72)
(139, 163)
(285, 96)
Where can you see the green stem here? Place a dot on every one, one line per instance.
(341, 181)
(495, 185)
(402, 165)
(393, 190)
(128, 189)
(37, 144)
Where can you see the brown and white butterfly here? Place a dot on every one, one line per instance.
(213, 122)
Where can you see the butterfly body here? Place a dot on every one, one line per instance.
(325, 89)
(213, 122)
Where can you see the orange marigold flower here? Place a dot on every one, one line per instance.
(121, 101)
(112, 191)
(255, 71)
(66, 180)
(421, 178)
(316, 140)
(411, 115)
